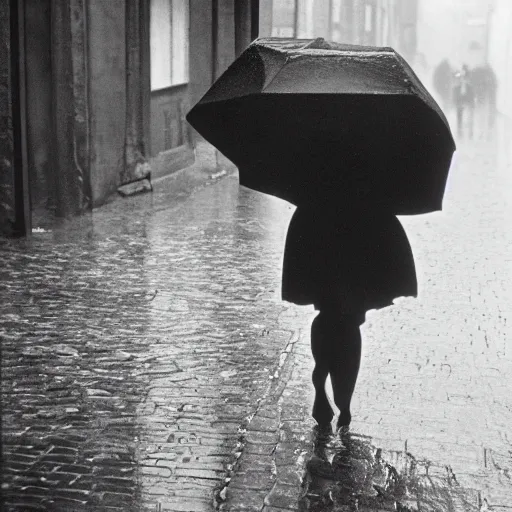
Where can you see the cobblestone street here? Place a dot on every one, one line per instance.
(148, 363)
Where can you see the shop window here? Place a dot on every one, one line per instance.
(169, 40)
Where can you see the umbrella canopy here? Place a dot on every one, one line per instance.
(310, 121)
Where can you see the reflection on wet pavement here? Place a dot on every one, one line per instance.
(348, 473)
(134, 348)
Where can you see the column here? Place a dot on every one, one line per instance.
(69, 177)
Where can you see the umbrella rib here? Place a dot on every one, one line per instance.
(286, 59)
(274, 77)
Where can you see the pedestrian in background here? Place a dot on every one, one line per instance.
(442, 81)
(485, 86)
(464, 99)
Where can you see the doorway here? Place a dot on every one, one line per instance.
(169, 138)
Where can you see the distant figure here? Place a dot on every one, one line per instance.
(345, 260)
(464, 99)
(443, 83)
(485, 86)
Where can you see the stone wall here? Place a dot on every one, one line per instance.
(107, 93)
(201, 37)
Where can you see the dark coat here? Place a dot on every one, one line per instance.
(484, 82)
(463, 91)
(351, 262)
(443, 79)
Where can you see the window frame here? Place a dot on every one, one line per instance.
(158, 82)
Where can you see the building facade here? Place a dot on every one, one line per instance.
(500, 59)
(365, 22)
(94, 95)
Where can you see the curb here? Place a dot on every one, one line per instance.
(207, 169)
(269, 466)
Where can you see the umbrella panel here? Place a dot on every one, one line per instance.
(390, 150)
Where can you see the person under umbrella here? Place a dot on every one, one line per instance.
(350, 136)
(345, 258)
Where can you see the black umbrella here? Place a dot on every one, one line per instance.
(307, 120)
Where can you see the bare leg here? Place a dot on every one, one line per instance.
(344, 361)
(321, 347)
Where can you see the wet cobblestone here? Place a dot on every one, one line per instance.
(134, 349)
(148, 363)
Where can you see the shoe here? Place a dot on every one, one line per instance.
(344, 419)
(343, 431)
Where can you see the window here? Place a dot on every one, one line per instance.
(368, 18)
(283, 18)
(336, 21)
(169, 34)
(305, 21)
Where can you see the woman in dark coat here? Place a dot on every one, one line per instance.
(345, 261)
(442, 82)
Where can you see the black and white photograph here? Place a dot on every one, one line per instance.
(256, 255)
